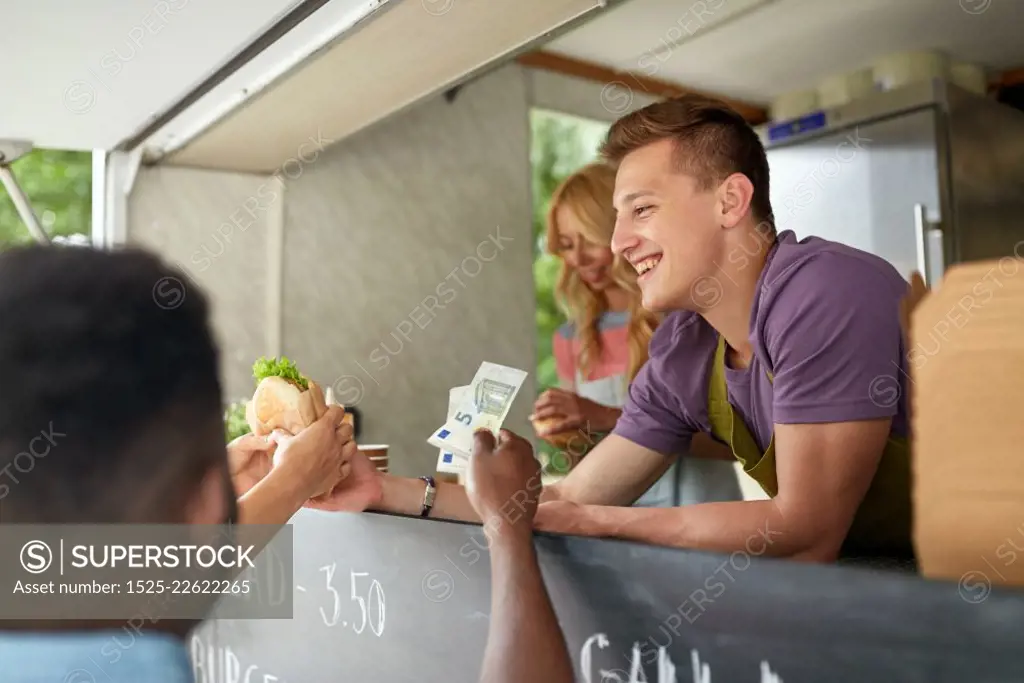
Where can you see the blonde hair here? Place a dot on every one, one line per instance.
(587, 193)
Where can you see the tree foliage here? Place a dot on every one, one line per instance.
(59, 186)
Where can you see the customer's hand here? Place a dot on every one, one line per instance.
(319, 456)
(568, 412)
(503, 483)
(249, 460)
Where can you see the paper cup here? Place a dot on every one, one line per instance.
(378, 455)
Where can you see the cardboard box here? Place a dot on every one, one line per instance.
(966, 353)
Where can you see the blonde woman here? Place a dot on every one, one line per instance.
(604, 344)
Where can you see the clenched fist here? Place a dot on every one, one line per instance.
(503, 482)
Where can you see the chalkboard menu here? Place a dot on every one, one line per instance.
(389, 599)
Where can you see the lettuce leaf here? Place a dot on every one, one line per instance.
(278, 367)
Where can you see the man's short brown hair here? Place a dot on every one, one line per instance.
(712, 141)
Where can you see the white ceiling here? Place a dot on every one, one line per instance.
(385, 65)
(323, 26)
(92, 74)
(757, 49)
(87, 74)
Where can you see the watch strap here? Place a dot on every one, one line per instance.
(428, 496)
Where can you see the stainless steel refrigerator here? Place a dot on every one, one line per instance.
(925, 176)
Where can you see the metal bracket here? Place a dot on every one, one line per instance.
(113, 177)
(134, 162)
(11, 150)
(452, 93)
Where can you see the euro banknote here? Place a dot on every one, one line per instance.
(483, 405)
(448, 462)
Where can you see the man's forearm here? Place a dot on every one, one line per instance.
(404, 496)
(525, 642)
(756, 527)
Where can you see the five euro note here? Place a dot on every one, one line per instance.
(484, 404)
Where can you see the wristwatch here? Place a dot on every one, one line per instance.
(428, 496)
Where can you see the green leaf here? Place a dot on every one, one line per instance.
(278, 367)
(235, 424)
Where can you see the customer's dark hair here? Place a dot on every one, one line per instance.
(110, 402)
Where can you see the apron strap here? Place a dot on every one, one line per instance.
(729, 428)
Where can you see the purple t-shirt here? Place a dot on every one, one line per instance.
(825, 322)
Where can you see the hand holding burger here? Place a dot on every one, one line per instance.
(286, 403)
(560, 417)
(320, 457)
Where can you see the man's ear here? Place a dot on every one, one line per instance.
(209, 504)
(734, 197)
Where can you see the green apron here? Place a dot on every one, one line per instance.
(882, 525)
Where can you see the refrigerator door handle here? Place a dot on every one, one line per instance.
(921, 230)
(936, 255)
(931, 258)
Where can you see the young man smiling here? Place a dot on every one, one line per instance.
(790, 352)
(777, 347)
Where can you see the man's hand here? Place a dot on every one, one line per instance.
(319, 455)
(361, 489)
(503, 482)
(249, 459)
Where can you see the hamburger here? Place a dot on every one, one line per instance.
(560, 440)
(288, 400)
(284, 398)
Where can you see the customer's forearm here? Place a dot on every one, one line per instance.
(525, 642)
(404, 496)
(273, 500)
(270, 503)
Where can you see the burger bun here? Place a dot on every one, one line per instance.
(279, 404)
